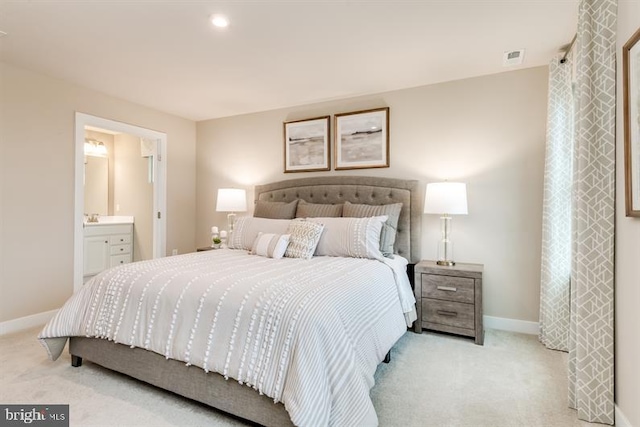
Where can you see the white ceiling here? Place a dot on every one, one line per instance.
(167, 55)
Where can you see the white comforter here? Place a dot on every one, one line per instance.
(307, 333)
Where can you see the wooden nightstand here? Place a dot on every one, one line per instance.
(449, 299)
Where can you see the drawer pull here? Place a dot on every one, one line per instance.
(447, 288)
(447, 313)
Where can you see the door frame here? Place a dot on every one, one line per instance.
(159, 186)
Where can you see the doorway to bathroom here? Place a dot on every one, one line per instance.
(120, 175)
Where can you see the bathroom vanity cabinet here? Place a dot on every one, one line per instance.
(106, 245)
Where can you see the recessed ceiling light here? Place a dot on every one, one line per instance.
(2, 33)
(220, 21)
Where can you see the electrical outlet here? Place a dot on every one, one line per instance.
(174, 252)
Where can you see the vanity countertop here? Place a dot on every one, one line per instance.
(109, 220)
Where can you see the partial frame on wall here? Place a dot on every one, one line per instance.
(362, 139)
(631, 95)
(306, 145)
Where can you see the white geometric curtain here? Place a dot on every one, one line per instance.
(591, 335)
(555, 283)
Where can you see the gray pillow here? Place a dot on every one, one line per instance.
(275, 210)
(390, 227)
(317, 210)
(350, 237)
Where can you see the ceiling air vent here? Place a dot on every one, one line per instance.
(513, 57)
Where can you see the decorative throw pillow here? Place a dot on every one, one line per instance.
(390, 227)
(270, 245)
(350, 237)
(246, 230)
(314, 210)
(304, 239)
(275, 210)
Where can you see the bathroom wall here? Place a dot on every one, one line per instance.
(133, 193)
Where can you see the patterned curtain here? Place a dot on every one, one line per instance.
(555, 283)
(591, 346)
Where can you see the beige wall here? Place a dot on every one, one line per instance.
(37, 130)
(627, 254)
(133, 194)
(487, 131)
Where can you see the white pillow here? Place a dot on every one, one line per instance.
(270, 245)
(351, 237)
(305, 236)
(246, 230)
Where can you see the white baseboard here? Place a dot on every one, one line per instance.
(22, 323)
(512, 325)
(621, 420)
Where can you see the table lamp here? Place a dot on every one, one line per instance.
(231, 200)
(446, 199)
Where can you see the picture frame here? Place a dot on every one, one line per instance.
(307, 145)
(631, 95)
(361, 139)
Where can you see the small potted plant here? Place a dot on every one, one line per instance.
(216, 242)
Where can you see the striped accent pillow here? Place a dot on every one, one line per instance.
(350, 237)
(390, 227)
(246, 229)
(270, 245)
(304, 239)
(314, 210)
(275, 210)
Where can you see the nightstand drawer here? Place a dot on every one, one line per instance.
(448, 313)
(449, 288)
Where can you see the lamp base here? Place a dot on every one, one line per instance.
(447, 263)
(231, 220)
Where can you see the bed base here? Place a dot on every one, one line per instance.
(188, 381)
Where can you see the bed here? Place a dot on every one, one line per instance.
(322, 349)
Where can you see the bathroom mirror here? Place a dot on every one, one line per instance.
(96, 185)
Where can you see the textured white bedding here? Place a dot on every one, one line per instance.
(308, 333)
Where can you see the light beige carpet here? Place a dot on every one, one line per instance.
(432, 380)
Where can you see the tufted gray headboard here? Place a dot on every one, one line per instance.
(358, 189)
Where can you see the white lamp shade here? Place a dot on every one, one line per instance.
(446, 198)
(231, 200)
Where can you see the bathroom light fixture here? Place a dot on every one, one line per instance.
(220, 21)
(445, 199)
(231, 200)
(93, 147)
